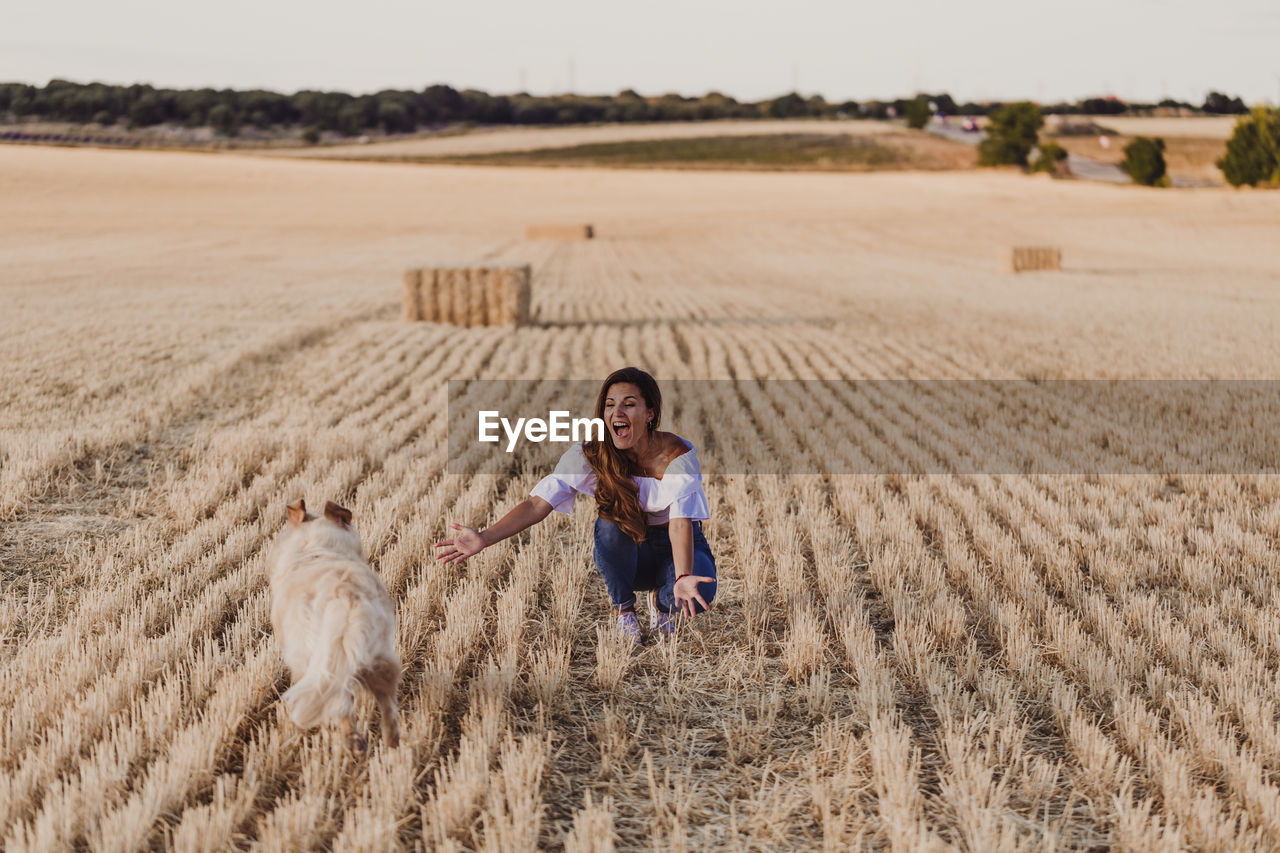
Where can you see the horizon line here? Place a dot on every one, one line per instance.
(579, 94)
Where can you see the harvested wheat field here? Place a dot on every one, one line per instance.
(973, 661)
(521, 138)
(1170, 127)
(1190, 157)
(1193, 144)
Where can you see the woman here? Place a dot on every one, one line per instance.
(648, 487)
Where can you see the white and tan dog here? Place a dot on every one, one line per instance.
(334, 621)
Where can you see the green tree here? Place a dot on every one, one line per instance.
(918, 112)
(1144, 162)
(945, 103)
(1011, 134)
(677, 107)
(223, 119)
(353, 117)
(319, 109)
(1102, 106)
(266, 109)
(394, 118)
(192, 106)
(1052, 159)
(788, 106)
(486, 109)
(1253, 152)
(442, 104)
(533, 111)
(147, 110)
(1216, 102)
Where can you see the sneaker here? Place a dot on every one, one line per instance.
(628, 626)
(667, 623)
(663, 623)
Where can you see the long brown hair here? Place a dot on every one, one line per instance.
(617, 495)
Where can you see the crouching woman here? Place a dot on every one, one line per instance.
(647, 485)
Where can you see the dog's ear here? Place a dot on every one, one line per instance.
(297, 512)
(337, 514)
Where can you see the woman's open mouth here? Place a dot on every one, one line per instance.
(621, 429)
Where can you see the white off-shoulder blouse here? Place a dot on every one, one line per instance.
(677, 495)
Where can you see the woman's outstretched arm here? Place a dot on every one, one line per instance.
(686, 588)
(470, 541)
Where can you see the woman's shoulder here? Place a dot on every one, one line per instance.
(675, 445)
(680, 454)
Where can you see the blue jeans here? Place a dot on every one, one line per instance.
(627, 567)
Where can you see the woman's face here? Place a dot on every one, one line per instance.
(626, 414)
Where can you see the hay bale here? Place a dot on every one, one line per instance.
(496, 299)
(444, 294)
(469, 296)
(516, 292)
(480, 278)
(429, 295)
(1027, 258)
(477, 294)
(462, 297)
(559, 232)
(411, 304)
(459, 298)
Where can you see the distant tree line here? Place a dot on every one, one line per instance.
(399, 111)
(1215, 103)
(228, 111)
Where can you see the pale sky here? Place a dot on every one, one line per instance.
(987, 49)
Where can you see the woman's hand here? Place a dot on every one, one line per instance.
(686, 593)
(468, 543)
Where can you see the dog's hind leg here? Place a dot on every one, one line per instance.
(383, 680)
(355, 741)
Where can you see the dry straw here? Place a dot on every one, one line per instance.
(892, 661)
(445, 312)
(412, 304)
(468, 296)
(478, 293)
(1029, 258)
(559, 232)
(460, 287)
(516, 294)
(429, 295)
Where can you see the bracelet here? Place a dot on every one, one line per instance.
(685, 575)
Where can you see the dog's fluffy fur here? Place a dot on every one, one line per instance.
(334, 622)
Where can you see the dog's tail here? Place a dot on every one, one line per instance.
(326, 690)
